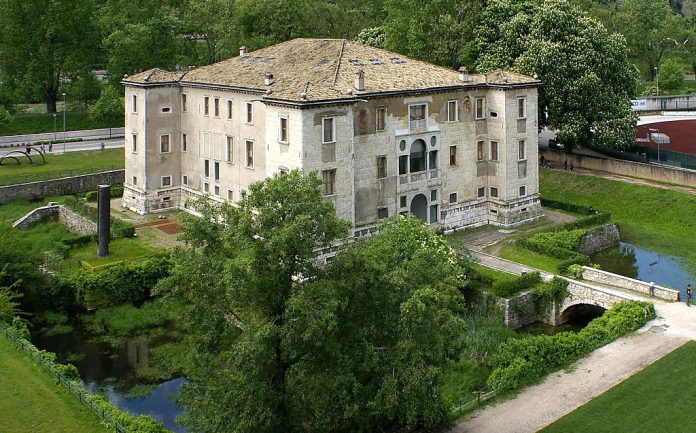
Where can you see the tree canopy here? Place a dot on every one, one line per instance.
(281, 344)
(586, 77)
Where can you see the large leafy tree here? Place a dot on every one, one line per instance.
(586, 77)
(280, 345)
(42, 42)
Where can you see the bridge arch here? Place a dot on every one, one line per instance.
(581, 312)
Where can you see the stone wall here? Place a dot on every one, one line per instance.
(75, 222)
(63, 186)
(40, 214)
(660, 173)
(599, 239)
(518, 311)
(603, 277)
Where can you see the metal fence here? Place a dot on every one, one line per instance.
(39, 177)
(472, 401)
(77, 389)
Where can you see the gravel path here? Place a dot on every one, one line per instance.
(562, 392)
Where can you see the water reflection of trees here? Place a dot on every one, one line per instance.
(618, 260)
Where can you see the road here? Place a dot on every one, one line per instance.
(78, 146)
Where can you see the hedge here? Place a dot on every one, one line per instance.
(521, 361)
(506, 289)
(68, 376)
(116, 191)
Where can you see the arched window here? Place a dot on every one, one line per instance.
(417, 157)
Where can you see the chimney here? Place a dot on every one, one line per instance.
(463, 75)
(360, 80)
(242, 51)
(269, 79)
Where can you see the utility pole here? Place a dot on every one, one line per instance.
(65, 106)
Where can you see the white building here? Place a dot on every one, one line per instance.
(387, 135)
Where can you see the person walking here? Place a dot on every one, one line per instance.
(688, 295)
(565, 165)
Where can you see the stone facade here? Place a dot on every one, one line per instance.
(471, 159)
(63, 186)
(599, 238)
(603, 277)
(519, 311)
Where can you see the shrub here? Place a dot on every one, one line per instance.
(577, 259)
(566, 239)
(116, 191)
(91, 196)
(506, 289)
(575, 271)
(519, 362)
(547, 294)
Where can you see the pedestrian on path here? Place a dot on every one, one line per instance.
(688, 295)
(50, 147)
(571, 166)
(565, 165)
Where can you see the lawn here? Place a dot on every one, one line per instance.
(494, 274)
(661, 398)
(68, 164)
(31, 401)
(119, 250)
(653, 218)
(35, 123)
(517, 254)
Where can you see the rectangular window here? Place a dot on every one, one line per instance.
(229, 150)
(328, 180)
(166, 181)
(433, 195)
(433, 214)
(481, 192)
(164, 144)
(184, 180)
(283, 130)
(416, 116)
(230, 194)
(206, 105)
(184, 143)
(206, 168)
(480, 108)
(521, 107)
(250, 154)
(433, 160)
(523, 191)
(480, 151)
(453, 198)
(521, 154)
(217, 190)
(206, 187)
(382, 212)
(453, 155)
(381, 167)
(135, 180)
(229, 110)
(452, 114)
(494, 192)
(381, 122)
(134, 103)
(184, 105)
(328, 133)
(494, 150)
(249, 113)
(403, 164)
(135, 143)
(403, 200)
(216, 107)
(216, 170)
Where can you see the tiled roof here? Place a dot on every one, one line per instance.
(306, 70)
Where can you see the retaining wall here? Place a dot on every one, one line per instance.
(660, 173)
(63, 186)
(599, 238)
(603, 277)
(519, 311)
(71, 220)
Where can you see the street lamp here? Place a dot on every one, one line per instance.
(64, 108)
(657, 139)
(657, 81)
(55, 118)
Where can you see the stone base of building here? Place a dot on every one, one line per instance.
(160, 200)
(484, 211)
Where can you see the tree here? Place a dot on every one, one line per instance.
(20, 271)
(42, 42)
(439, 31)
(5, 117)
(109, 107)
(671, 76)
(586, 80)
(279, 344)
(372, 37)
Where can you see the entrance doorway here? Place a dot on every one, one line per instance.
(419, 207)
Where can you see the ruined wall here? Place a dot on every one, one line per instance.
(599, 239)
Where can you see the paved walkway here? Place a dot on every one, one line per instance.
(58, 135)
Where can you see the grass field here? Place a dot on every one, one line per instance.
(656, 219)
(68, 164)
(32, 402)
(661, 398)
(35, 123)
(517, 254)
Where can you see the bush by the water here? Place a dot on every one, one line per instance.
(506, 289)
(519, 362)
(547, 294)
(566, 239)
(126, 320)
(130, 282)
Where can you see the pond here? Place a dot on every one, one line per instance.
(641, 264)
(111, 371)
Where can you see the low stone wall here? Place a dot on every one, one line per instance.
(63, 186)
(518, 311)
(660, 173)
(599, 239)
(71, 220)
(603, 277)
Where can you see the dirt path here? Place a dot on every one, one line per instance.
(562, 392)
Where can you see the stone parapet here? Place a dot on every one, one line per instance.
(651, 289)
